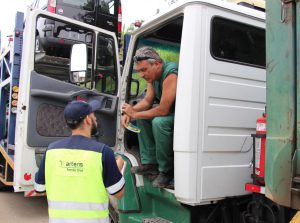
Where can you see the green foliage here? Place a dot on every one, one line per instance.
(106, 85)
(143, 83)
(166, 52)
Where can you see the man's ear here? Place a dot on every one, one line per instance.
(87, 120)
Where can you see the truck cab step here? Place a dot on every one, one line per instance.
(296, 179)
(155, 220)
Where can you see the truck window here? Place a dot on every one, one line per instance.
(167, 52)
(237, 43)
(85, 4)
(107, 6)
(166, 41)
(54, 62)
(106, 72)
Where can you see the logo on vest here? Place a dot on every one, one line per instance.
(71, 166)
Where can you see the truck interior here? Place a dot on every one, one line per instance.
(166, 41)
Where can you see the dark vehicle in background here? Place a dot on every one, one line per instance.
(50, 35)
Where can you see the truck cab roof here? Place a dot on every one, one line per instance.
(179, 7)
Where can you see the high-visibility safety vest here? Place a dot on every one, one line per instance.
(75, 188)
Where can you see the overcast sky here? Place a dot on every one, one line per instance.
(8, 10)
(132, 10)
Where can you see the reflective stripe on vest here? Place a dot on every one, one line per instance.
(77, 205)
(72, 220)
(74, 185)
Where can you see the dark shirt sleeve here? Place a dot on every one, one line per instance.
(39, 185)
(113, 179)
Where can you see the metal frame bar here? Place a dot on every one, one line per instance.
(10, 65)
(16, 56)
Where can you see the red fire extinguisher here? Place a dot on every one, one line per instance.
(261, 131)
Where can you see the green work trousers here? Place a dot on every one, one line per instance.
(156, 141)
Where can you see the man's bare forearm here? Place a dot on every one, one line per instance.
(151, 113)
(142, 106)
(147, 101)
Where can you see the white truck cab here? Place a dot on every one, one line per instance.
(221, 90)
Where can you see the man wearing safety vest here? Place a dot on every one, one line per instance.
(78, 173)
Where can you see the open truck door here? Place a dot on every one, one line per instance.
(47, 84)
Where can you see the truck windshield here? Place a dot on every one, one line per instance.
(106, 75)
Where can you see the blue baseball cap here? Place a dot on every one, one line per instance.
(76, 111)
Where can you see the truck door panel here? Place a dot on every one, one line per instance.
(45, 90)
(48, 98)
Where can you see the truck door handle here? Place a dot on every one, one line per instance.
(110, 23)
(88, 17)
(74, 94)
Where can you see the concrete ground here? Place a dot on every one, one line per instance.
(15, 208)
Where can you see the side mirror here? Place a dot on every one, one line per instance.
(78, 65)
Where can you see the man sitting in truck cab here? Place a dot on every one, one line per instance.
(156, 123)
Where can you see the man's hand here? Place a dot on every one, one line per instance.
(128, 110)
(125, 119)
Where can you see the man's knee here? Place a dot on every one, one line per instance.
(163, 122)
(142, 122)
